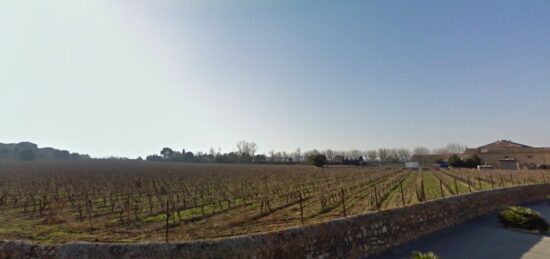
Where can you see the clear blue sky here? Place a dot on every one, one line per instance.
(129, 77)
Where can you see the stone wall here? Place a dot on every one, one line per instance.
(353, 237)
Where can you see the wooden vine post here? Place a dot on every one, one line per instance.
(423, 189)
(301, 209)
(402, 193)
(376, 196)
(479, 181)
(441, 188)
(418, 194)
(456, 187)
(344, 202)
(167, 225)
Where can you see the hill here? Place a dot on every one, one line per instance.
(31, 151)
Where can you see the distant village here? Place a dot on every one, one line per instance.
(501, 154)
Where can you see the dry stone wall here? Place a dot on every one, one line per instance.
(354, 237)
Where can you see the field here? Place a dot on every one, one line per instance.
(130, 201)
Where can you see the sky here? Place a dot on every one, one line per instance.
(128, 77)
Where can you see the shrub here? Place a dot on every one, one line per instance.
(455, 161)
(525, 218)
(472, 162)
(317, 160)
(427, 255)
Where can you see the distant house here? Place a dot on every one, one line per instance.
(505, 154)
(412, 165)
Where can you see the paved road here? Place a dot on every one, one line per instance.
(482, 238)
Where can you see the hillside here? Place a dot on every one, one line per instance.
(31, 151)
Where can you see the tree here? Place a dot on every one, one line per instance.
(329, 154)
(285, 157)
(279, 157)
(441, 151)
(317, 160)
(297, 155)
(354, 154)
(339, 159)
(403, 154)
(392, 155)
(260, 159)
(421, 151)
(455, 148)
(372, 155)
(189, 156)
(27, 155)
(472, 162)
(455, 161)
(272, 156)
(246, 148)
(383, 154)
(154, 158)
(451, 148)
(167, 153)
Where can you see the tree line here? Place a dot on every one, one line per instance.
(246, 152)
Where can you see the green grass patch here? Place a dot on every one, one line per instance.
(431, 186)
(394, 198)
(155, 218)
(420, 255)
(524, 218)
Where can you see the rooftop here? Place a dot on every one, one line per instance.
(505, 144)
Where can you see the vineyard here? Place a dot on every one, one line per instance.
(130, 201)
